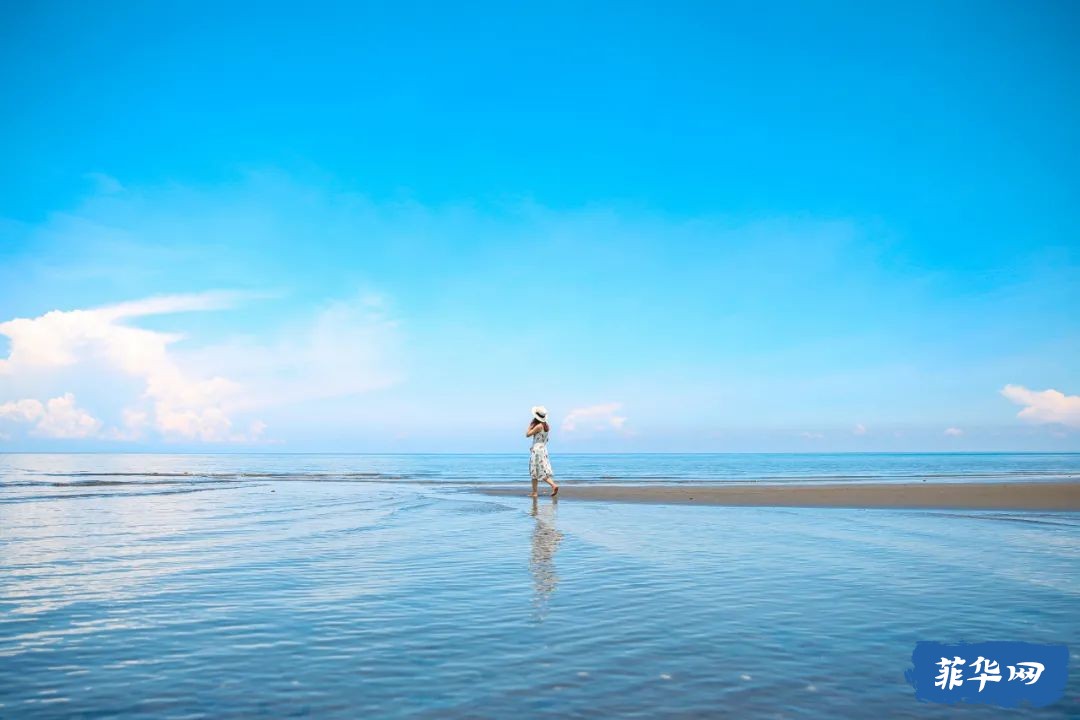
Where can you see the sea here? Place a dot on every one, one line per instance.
(388, 586)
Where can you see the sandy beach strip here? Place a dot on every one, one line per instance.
(964, 496)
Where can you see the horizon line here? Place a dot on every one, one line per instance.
(507, 453)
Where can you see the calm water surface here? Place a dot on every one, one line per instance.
(379, 586)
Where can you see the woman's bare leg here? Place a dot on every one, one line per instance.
(553, 484)
(534, 492)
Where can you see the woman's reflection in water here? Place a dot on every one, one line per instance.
(545, 541)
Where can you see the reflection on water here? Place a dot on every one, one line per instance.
(545, 541)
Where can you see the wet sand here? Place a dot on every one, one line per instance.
(967, 496)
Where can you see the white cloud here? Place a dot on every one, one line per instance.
(812, 435)
(195, 395)
(23, 410)
(60, 417)
(595, 418)
(859, 429)
(135, 423)
(63, 419)
(1046, 406)
(59, 338)
(346, 348)
(183, 406)
(953, 432)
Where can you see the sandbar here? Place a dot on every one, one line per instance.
(1061, 496)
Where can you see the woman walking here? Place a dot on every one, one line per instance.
(539, 462)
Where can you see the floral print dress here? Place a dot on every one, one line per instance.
(539, 462)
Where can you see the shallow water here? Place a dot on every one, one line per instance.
(296, 586)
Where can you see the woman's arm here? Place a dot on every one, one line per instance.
(533, 427)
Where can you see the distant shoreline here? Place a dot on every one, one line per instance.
(1060, 496)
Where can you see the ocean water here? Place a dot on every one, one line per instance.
(240, 586)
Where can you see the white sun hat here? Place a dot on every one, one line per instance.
(539, 412)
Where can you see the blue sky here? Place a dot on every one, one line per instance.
(681, 226)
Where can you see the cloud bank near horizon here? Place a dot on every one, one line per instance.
(196, 395)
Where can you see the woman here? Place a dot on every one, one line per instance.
(539, 463)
